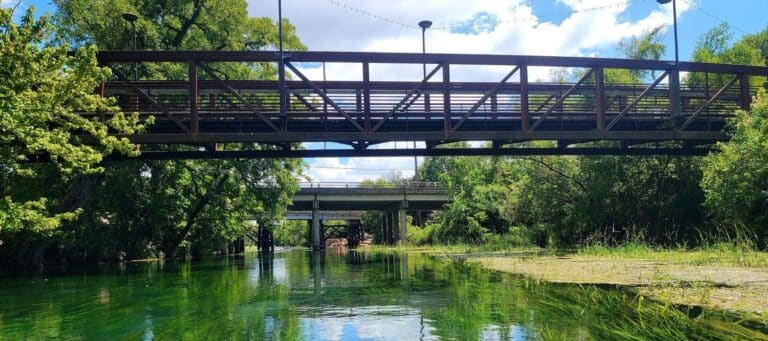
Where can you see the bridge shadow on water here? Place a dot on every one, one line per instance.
(338, 295)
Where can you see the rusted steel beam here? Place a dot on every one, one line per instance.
(366, 96)
(642, 95)
(193, 101)
(239, 97)
(261, 154)
(600, 99)
(524, 97)
(305, 102)
(402, 135)
(562, 99)
(323, 95)
(151, 100)
(446, 97)
(106, 57)
(746, 97)
(485, 97)
(407, 97)
(709, 102)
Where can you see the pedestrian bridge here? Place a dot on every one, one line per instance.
(434, 106)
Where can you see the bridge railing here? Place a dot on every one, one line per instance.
(208, 106)
(411, 186)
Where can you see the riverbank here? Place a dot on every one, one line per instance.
(720, 277)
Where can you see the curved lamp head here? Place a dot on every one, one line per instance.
(425, 24)
(663, 1)
(130, 17)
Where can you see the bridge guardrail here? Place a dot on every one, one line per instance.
(411, 186)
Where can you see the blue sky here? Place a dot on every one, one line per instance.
(538, 27)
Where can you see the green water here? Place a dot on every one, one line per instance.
(335, 296)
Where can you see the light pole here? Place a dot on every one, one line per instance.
(131, 18)
(424, 24)
(675, 84)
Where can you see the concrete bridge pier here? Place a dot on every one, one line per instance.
(402, 222)
(316, 242)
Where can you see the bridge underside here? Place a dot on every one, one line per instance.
(209, 111)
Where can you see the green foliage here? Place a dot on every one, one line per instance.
(42, 89)
(715, 47)
(736, 179)
(292, 233)
(136, 209)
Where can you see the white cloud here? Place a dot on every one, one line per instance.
(325, 26)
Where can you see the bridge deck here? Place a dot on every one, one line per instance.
(204, 108)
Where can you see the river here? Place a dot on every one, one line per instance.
(336, 295)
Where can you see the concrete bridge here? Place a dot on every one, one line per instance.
(317, 200)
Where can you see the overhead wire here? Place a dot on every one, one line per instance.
(385, 19)
(707, 13)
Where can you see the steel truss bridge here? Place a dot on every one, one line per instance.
(204, 108)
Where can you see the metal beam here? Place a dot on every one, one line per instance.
(258, 154)
(407, 97)
(484, 98)
(324, 96)
(419, 58)
(618, 117)
(239, 97)
(151, 100)
(562, 99)
(709, 102)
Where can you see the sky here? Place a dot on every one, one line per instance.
(525, 27)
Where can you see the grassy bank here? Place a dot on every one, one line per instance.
(723, 276)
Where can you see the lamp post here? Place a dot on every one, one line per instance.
(676, 72)
(131, 18)
(424, 24)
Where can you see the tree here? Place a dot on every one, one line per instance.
(736, 178)
(143, 209)
(42, 89)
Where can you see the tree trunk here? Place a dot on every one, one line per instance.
(194, 213)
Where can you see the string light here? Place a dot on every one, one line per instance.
(381, 18)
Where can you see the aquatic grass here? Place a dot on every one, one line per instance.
(721, 253)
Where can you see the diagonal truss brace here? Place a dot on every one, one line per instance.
(324, 96)
(407, 97)
(485, 98)
(637, 100)
(562, 98)
(239, 97)
(709, 102)
(152, 101)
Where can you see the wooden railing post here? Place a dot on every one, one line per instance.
(524, 110)
(193, 102)
(600, 98)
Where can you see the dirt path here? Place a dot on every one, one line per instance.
(719, 287)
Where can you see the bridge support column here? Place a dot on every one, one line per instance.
(316, 225)
(402, 223)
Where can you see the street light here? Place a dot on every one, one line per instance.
(424, 24)
(676, 86)
(131, 18)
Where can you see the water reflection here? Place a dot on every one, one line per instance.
(334, 295)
